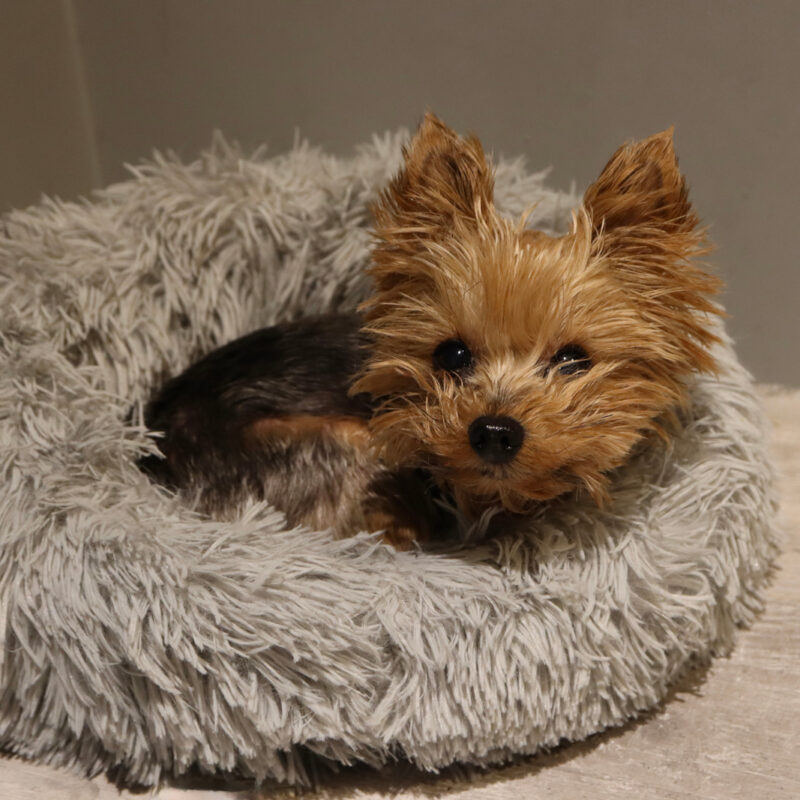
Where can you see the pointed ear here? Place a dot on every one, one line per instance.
(444, 179)
(641, 186)
(644, 226)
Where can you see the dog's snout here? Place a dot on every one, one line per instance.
(496, 439)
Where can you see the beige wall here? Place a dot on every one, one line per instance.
(46, 135)
(561, 82)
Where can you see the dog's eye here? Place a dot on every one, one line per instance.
(571, 359)
(452, 356)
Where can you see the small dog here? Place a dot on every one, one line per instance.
(493, 367)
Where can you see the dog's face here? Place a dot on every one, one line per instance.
(518, 366)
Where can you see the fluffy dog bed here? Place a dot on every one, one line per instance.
(140, 636)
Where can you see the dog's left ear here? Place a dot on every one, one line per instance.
(445, 180)
(641, 186)
(644, 225)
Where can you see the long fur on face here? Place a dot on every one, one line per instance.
(622, 284)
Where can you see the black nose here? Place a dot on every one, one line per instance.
(496, 439)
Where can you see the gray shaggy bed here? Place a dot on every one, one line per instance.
(140, 636)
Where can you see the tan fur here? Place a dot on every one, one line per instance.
(624, 284)
(349, 430)
(367, 497)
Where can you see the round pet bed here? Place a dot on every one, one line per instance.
(138, 635)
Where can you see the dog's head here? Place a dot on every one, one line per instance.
(518, 366)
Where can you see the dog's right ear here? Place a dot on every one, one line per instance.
(445, 180)
(442, 192)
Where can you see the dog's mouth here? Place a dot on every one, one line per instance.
(494, 472)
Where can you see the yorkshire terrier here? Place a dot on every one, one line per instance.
(493, 367)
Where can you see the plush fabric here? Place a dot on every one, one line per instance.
(138, 635)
